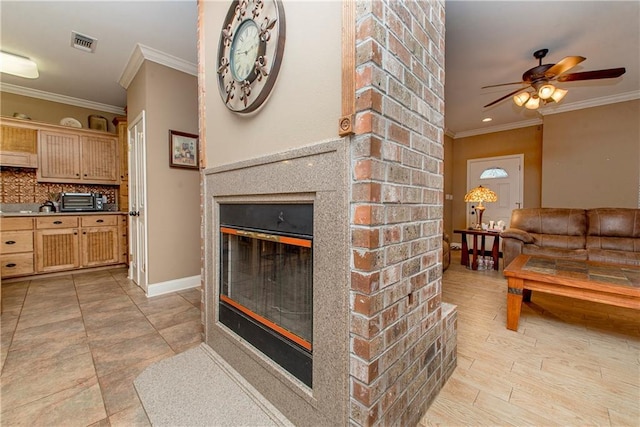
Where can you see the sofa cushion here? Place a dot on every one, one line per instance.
(559, 221)
(614, 222)
(560, 228)
(577, 254)
(559, 241)
(614, 235)
(614, 256)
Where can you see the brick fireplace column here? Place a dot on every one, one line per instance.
(402, 337)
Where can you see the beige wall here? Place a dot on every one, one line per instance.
(48, 111)
(585, 158)
(527, 141)
(591, 157)
(304, 106)
(170, 101)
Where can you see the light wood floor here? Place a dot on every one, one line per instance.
(571, 363)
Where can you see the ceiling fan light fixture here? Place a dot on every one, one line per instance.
(18, 66)
(546, 91)
(533, 103)
(558, 94)
(521, 98)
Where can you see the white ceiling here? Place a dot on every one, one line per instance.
(486, 43)
(493, 42)
(41, 30)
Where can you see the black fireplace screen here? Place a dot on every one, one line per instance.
(266, 284)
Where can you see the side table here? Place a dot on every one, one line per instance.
(464, 259)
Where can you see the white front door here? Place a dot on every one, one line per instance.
(509, 189)
(138, 202)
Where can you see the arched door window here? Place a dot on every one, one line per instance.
(494, 172)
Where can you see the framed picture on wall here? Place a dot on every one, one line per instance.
(183, 150)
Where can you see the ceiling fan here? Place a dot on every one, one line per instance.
(539, 78)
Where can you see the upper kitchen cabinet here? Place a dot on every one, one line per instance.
(18, 146)
(77, 157)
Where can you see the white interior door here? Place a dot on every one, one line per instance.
(509, 188)
(138, 202)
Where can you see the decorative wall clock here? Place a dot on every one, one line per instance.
(250, 53)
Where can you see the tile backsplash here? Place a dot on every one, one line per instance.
(19, 185)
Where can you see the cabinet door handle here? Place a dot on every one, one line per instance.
(10, 242)
(84, 232)
(10, 265)
(57, 222)
(100, 220)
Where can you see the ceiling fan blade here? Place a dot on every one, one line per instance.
(564, 65)
(506, 96)
(593, 75)
(503, 84)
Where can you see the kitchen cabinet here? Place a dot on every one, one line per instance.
(61, 242)
(16, 251)
(100, 240)
(57, 243)
(123, 142)
(18, 146)
(123, 227)
(73, 157)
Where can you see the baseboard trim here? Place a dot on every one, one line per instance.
(173, 286)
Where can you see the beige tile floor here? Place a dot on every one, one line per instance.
(72, 346)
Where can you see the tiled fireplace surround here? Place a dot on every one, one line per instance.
(394, 349)
(383, 341)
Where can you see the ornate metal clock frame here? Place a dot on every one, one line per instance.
(244, 89)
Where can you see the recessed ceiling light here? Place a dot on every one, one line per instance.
(487, 119)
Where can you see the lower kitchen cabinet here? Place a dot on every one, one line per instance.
(46, 244)
(16, 250)
(100, 240)
(57, 250)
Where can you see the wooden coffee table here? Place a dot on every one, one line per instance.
(612, 284)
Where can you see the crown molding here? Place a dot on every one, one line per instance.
(499, 128)
(62, 99)
(590, 103)
(141, 53)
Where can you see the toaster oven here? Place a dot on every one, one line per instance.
(81, 202)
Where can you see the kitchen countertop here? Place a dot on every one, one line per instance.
(27, 213)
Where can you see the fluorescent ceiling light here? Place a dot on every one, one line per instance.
(18, 66)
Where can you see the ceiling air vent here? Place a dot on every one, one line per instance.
(82, 42)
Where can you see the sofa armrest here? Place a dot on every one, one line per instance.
(516, 233)
(511, 248)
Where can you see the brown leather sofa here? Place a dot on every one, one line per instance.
(605, 234)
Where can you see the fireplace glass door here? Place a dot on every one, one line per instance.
(266, 289)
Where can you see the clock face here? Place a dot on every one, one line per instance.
(250, 53)
(244, 51)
